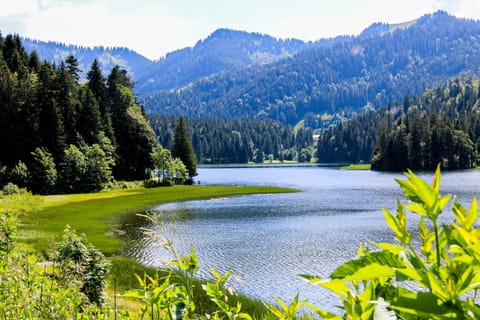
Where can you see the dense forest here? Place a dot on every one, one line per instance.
(62, 136)
(239, 140)
(382, 65)
(442, 125)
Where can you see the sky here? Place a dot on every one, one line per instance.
(156, 27)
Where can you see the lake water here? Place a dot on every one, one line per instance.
(267, 240)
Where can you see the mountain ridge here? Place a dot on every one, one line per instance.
(233, 73)
(374, 68)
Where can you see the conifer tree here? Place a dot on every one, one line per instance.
(183, 149)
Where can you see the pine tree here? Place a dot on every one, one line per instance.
(183, 149)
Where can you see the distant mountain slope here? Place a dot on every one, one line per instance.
(127, 59)
(224, 50)
(384, 64)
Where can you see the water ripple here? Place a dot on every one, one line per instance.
(268, 240)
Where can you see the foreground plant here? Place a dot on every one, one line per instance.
(33, 290)
(433, 273)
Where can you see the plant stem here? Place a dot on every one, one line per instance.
(437, 245)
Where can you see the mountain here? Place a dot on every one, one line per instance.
(383, 64)
(127, 59)
(224, 50)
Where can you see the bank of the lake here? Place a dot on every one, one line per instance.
(97, 214)
(360, 166)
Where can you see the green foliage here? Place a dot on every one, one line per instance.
(45, 111)
(284, 311)
(442, 273)
(183, 149)
(43, 171)
(218, 141)
(87, 169)
(167, 170)
(80, 262)
(20, 175)
(8, 232)
(10, 189)
(440, 125)
(30, 289)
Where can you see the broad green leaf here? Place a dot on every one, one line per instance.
(437, 287)
(472, 213)
(417, 208)
(392, 222)
(394, 248)
(442, 203)
(336, 286)
(137, 294)
(425, 305)
(361, 250)
(412, 274)
(436, 180)
(323, 314)
(417, 190)
(374, 265)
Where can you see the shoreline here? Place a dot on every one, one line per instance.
(97, 214)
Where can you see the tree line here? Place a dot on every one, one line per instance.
(217, 141)
(60, 135)
(440, 126)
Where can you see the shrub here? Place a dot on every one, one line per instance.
(32, 290)
(80, 262)
(10, 189)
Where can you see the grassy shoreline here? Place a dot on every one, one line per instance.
(363, 166)
(97, 214)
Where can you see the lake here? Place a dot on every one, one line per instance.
(267, 240)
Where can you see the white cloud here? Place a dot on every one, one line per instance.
(94, 23)
(155, 27)
(16, 8)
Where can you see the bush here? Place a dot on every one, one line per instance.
(81, 262)
(33, 290)
(10, 189)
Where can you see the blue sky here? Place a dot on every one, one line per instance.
(156, 27)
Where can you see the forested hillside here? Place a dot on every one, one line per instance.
(384, 64)
(62, 136)
(223, 51)
(134, 63)
(239, 140)
(442, 125)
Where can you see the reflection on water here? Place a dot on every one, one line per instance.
(269, 239)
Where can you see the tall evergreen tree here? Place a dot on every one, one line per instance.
(134, 137)
(183, 149)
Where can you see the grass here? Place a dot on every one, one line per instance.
(362, 166)
(97, 214)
